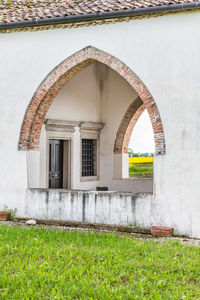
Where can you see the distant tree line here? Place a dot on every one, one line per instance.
(132, 154)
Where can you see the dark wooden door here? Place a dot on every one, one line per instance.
(55, 164)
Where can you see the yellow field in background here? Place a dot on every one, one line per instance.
(140, 160)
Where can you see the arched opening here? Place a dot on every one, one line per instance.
(141, 147)
(77, 131)
(126, 127)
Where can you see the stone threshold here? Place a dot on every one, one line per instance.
(94, 226)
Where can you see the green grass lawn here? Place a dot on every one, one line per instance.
(45, 264)
(141, 170)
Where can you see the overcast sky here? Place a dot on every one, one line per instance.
(142, 139)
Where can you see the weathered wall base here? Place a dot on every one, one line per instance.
(95, 207)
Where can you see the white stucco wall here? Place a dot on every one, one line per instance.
(93, 207)
(164, 53)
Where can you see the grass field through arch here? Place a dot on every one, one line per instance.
(141, 166)
(46, 264)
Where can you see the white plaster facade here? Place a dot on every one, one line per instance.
(164, 53)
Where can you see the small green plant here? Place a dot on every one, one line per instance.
(11, 213)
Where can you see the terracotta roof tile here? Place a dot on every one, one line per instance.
(13, 10)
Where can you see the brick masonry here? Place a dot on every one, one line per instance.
(161, 231)
(127, 124)
(50, 87)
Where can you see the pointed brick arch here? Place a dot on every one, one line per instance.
(50, 87)
(127, 124)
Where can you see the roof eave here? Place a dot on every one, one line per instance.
(101, 15)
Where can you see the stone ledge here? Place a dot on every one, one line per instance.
(107, 227)
(87, 192)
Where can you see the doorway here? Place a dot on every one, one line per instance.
(56, 164)
(59, 164)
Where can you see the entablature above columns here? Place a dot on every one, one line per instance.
(60, 125)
